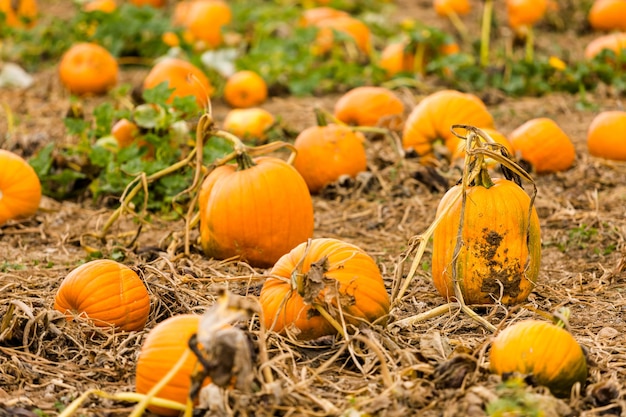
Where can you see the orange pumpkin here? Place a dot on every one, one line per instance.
(615, 42)
(105, 6)
(500, 251)
(315, 15)
(608, 15)
(204, 21)
(358, 31)
(88, 68)
(185, 78)
(160, 351)
(445, 7)
(125, 132)
(605, 136)
(325, 153)
(544, 350)
(433, 117)
(351, 281)
(258, 210)
(20, 13)
(497, 137)
(249, 124)
(245, 89)
(524, 13)
(152, 3)
(107, 293)
(399, 57)
(543, 144)
(20, 189)
(370, 106)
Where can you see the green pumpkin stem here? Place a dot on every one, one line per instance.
(244, 161)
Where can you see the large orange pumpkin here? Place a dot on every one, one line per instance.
(258, 210)
(605, 136)
(370, 106)
(20, 189)
(543, 144)
(544, 350)
(185, 78)
(325, 153)
(106, 292)
(500, 251)
(349, 278)
(608, 15)
(88, 68)
(433, 117)
(163, 346)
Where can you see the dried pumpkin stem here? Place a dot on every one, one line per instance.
(427, 315)
(330, 319)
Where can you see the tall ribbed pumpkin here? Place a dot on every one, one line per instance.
(500, 251)
(257, 209)
(20, 189)
(163, 346)
(107, 292)
(340, 271)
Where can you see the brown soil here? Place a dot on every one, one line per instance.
(436, 367)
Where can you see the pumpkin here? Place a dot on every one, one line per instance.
(500, 252)
(325, 153)
(152, 3)
(605, 136)
(608, 15)
(249, 124)
(525, 13)
(315, 15)
(544, 350)
(185, 78)
(107, 293)
(20, 13)
(433, 117)
(88, 68)
(349, 276)
(256, 209)
(399, 57)
(20, 188)
(125, 132)
(543, 144)
(370, 106)
(245, 89)
(446, 7)
(615, 42)
(160, 351)
(355, 29)
(204, 21)
(104, 6)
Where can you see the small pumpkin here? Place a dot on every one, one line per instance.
(20, 13)
(352, 27)
(245, 89)
(325, 153)
(544, 350)
(151, 3)
(324, 271)
(315, 15)
(500, 252)
(20, 188)
(615, 42)
(107, 293)
(605, 136)
(88, 68)
(608, 15)
(370, 106)
(525, 13)
(160, 351)
(543, 144)
(125, 132)
(104, 6)
(185, 78)
(257, 209)
(398, 57)
(446, 7)
(431, 120)
(252, 123)
(204, 21)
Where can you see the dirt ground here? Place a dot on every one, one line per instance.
(437, 367)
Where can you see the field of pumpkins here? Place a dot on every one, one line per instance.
(312, 208)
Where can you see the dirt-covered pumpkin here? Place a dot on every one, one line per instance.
(325, 153)
(257, 209)
(544, 350)
(332, 273)
(370, 106)
(608, 15)
(605, 136)
(431, 120)
(543, 144)
(499, 253)
(163, 346)
(20, 188)
(106, 292)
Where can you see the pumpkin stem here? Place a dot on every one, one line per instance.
(561, 317)
(244, 161)
(321, 117)
(485, 33)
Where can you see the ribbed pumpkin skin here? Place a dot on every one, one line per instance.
(605, 136)
(359, 280)
(259, 213)
(548, 352)
(370, 106)
(107, 292)
(608, 15)
(433, 117)
(494, 245)
(163, 346)
(544, 144)
(20, 189)
(327, 152)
